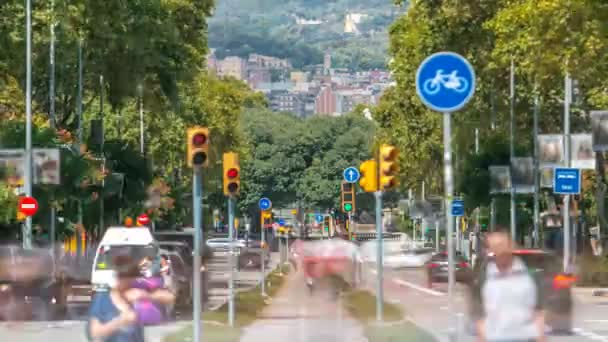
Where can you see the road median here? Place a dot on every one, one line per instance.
(248, 305)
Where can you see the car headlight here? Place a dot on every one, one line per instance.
(5, 287)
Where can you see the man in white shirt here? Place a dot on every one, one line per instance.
(509, 301)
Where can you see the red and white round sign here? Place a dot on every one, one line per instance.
(28, 206)
(143, 219)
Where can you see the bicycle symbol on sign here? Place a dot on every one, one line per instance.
(450, 81)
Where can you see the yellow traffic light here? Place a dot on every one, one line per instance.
(266, 218)
(198, 147)
(388, 167)
(232, 174)
(348, 197)
(369, 176)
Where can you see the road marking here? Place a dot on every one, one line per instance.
(589, 335)
(419, 288)
(596, 321)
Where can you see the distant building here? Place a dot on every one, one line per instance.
(298, 76)
(258, 76)
(283, 101)
(212, 63)
(232, 66)
(325, 101)
(347, 100)
(326, 63)
(262, 61)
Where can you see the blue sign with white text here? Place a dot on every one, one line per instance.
(281, 222)
(265, 203)
(567, 181)
(457, 208)
(319, 218)
(445, 82)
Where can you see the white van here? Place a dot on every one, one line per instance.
(137, 242)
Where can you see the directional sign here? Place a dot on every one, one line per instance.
(445, 81)
(28, 206)
(319, 218)
(566, 181)
(351, 174)
(281, 222)
(265, 203)
(143, 219)
(457, 208)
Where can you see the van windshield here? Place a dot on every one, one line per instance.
(137, 252)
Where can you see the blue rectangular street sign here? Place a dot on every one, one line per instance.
(457, 208)
(567, 181)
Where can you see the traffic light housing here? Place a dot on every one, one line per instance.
(198, 147)
(369, 176)
(326, 223)
(388, 167)
(232, 174)
(266, 218)
(348, 197)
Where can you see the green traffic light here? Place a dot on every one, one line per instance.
(348, 207)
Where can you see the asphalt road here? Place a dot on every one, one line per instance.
(73, 326)
(429, 307)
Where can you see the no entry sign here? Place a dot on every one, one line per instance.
(143, 219)
(28, 206)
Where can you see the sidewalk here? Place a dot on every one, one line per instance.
(296, 315)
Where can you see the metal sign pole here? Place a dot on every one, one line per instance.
(437, 236)
(379, 258)
(536, 176)
(512, 149)
(263, 256)
(566, 211)
(449, 189)
(197, 189)
(27, 228)
(231, 262)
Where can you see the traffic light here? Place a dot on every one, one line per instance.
(198, 147)
(326, 223)
(348, 197)
(232, 174)
(369, 176)
(266, 217)
(388, 167)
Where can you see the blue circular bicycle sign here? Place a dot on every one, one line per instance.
(445, 81)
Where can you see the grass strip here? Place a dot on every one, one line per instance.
(248, 305)
(361, 304)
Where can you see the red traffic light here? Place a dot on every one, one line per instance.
(199, 139)
(232, 173)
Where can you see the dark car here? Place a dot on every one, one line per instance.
(180, 274)
(437, 268)
(554, 287)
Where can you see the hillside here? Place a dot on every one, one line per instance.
(353, 31)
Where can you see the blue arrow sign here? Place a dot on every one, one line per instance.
(265, 203)
(457, 208)
(319, 218)
(351, 174)
(567, 181)
(445, 82)
(281, 222)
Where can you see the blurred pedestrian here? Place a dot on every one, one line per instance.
(507, 301)
(112, 317)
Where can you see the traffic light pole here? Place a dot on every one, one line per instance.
(263, 287)
(231, 262)
(379, 258)
(197, 189)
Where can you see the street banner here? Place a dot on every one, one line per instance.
(581, 147)
(522, 174)
(500, 179)
(546, 177)
(551, 150)
(46, 163)
(12, 166)
(599, 130)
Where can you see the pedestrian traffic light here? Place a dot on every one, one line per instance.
(266, 218)
(232, 174)
(326, 223)
(348, 197)
(369, 176)
(388, 167)
(198, 147)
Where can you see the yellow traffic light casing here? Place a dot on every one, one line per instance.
(198, 147)
(232, 174)
(266, 219)
(388, 167)
(348, 197)
(369, 176)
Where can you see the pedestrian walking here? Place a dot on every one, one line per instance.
(506, 299)
(112, 316)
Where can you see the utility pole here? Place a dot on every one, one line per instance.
(566, 211)
(536, 174)
(140, 91)
(512, 148)
(27, 228)
(231, 262)
(103, 157)
(52, 115)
